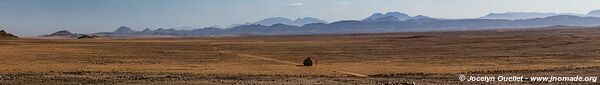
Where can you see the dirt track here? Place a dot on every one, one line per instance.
(214, 46)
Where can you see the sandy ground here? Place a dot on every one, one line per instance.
(382, 58)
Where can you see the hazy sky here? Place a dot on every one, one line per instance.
(37, 17)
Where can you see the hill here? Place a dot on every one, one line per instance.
(124, 30)
(63, 34)
(6, 35)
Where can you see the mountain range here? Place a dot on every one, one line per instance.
(529, 15)
(286, 21)
(391, 16)
(377, 22)
(383, 24)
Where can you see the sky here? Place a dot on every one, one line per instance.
(38, 17)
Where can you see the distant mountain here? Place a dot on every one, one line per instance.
(147, 31)
(400, 16)
(63, 33)
(124, 30)
(517, 15)
(381, 24)
(595, 13)
(467, 24)
(171, 31)
(276, 20)
(379, 17)
(376, 16)
(531, 15)
(523, 15)
(420, 17)
(384, 19)
(307, 20)
(286, 21)
(6, 35)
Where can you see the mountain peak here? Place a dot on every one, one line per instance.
(396, 14)
(147, 31)
(287, 21)
(420, 17)
(499, 16)
(124, 29)
(64, 33)
(563, 16)
(278, 19)
(376, 15)
(274, 20)
(594, 13)
(400, 16)
(307, 20)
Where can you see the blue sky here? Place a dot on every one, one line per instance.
(37, 17)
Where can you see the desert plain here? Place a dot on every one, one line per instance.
(365, 58)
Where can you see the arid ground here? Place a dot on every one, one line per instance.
(380, 58)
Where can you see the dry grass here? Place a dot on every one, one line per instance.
(369, 54)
